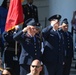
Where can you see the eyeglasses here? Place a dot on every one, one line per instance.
(35, 66)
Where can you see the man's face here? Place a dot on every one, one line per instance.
(35, 68)
(30, 1)
(64, 27)
(55, 24)
(33, 30)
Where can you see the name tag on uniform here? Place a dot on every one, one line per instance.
(51, 35)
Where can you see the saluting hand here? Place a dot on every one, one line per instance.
(26, 29)
(53, 22)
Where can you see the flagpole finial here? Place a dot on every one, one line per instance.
(22, 0)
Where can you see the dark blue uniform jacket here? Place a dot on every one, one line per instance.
(53, 49)
(30, 49)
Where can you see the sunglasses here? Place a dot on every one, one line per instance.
(35, 66)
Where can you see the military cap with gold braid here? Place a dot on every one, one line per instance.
(31, 22)
(57, 16)
(65, 21)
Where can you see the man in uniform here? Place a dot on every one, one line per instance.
(10, 52)
(30, 44)
(3, 15)
(30, 11)
(68, 46)
(53, 51)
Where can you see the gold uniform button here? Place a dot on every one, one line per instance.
(68, 43)
(34, 43)
(28, 13)
(68, 40)
(34, 46)
(35, 54)
(59, 49)
(35, 50)
(59, 44)
(68, 46)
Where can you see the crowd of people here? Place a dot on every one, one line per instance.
(21, 49)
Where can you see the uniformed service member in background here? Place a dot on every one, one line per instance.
(53, 54)
(30, 44)
(3, 15)
(68, 46)
(1, 46)
(30, 11)
(9, 51)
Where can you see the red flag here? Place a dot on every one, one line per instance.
(15, 15)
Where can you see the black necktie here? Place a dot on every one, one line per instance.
(58, 34)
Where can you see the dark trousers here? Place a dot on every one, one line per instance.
(67, 66)
(8, 58)
(1, 46)
(54, 68)
(24, 69)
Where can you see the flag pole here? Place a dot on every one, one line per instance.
(16, 48)
(15, 57)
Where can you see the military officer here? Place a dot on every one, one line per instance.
(9, 51)
(3, 14)
(53, 52)
(1, 46)
(68, 46)
(30, 44)
(30, 11)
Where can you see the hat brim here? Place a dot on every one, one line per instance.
(58, 17)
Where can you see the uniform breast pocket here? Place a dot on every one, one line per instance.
(28, 41)
(52, 38)
(51, 35)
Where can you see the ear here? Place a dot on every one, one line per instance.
(41, 68)
(30, 68)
